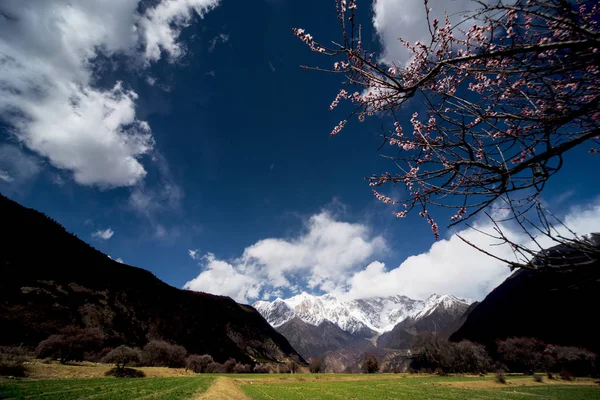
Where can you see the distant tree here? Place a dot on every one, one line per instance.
(525, 355)
(500, 97)
(71, 344)
(433, 353)
(370, 364)
(242, 368)
(12, 361)
(578, 361)
(198, 363)
(229, 365)
(122, 355)
(158, 353)
(315, 365)
(260, 369)
(471, 358)
(215, 368)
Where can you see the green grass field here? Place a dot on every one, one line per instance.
(299, 386)
(106, 388)
(420, 388)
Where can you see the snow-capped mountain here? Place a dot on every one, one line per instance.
(366, 317)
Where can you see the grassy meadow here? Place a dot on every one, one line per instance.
(300, 386)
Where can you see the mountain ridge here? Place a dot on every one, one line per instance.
(52, 280)
(366, 317)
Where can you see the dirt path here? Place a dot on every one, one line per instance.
(223, 389)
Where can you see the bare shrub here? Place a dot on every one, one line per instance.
(12, 361)
(370, 364)
(524, 355)
(158, 353)
(229, 365)
(122, 355)
(500, 377)
(198, 363)
(260, 369)
(566, 376)
(125, 373)
(578, 361)
(242, 368)
(215, 368)
(72, 344)
(315, 365)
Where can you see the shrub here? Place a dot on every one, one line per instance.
(500, 377)
(550, 375)
(158, 353)
(242, 368)
(566, 376)
(538, 378)
(215, 368)
(315, 365)
(12, 361)
(578, 361)
(370, 364)
(260, 369)
(523, 354)
(229, 365)
(198, 363)
(293, 367)
(72, 344)
(121, 356)
(125, 373)
(432, 353)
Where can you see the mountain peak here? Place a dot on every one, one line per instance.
(361, 316)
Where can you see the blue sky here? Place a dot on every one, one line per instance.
(211, 161)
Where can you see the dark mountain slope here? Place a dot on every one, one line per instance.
(558, 306)
(50, 279)
(315, 341)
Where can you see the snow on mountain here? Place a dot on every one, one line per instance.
(364, 316)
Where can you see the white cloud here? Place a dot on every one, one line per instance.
(220, 277)
(4, 176)
(47, 92)
(119, 260)
(103, 234)
(194, 254)
(321, 257)
(161, 25)
(331, 257)
(220, 38)
(405, 19)
(452, 266)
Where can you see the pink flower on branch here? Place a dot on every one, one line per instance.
(499, 101)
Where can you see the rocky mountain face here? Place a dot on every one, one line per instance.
(442, 315)
(342, 331)
(364, 317)
(557, 305)
(314, 341)
(50, 280)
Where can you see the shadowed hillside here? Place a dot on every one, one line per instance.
(558, 306)
(51, 279)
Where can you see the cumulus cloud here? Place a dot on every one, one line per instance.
(220, 277)
(103, 234)
(452, 266)
(331, 257)
(47, 91)
(405, 19)
(320, 257)
(162, 24)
